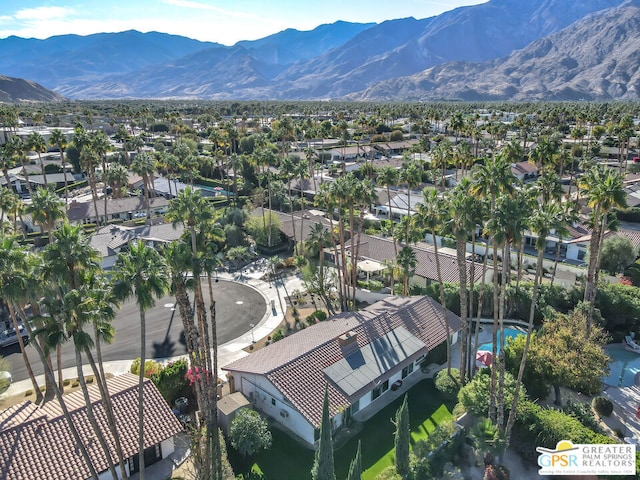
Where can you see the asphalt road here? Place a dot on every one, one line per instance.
(237, 307)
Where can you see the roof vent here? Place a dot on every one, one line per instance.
(348, 338)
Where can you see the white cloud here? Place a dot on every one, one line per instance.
(206, 6)
(42, 13)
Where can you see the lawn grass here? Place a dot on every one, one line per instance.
(288, 460)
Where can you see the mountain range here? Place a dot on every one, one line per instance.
(502, 49)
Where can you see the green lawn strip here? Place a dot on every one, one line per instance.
(289, 460)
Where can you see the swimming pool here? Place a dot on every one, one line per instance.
(508, 333)
(623, 367)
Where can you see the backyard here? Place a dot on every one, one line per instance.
(288, 459)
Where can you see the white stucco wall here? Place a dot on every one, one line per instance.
(266, 398)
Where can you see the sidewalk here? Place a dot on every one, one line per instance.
(274, 296)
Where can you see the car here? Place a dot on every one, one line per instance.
(8, 337)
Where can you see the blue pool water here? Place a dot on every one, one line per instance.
(508, 333)
(624, 366)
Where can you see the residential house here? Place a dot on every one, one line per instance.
(126, 208)
(358, 356)
(110, 240)
(36, 443)
(381, 250)
(524, 171)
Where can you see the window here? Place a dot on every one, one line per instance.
(355, 407)
(407, 370)
(273, 402)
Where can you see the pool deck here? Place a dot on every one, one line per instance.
(626, 405)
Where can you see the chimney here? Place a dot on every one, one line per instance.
(348, 338)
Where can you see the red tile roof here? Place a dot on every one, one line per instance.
(381, 249)
(36, 444)
(295, 364)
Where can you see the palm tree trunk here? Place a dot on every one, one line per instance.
(101, 380)
(66, 184)
(461, 244)
(395, 242)
(514, 404)
(442, 301)
(25, 358)
(506, 266)
(59, 365)
(494, 347)
(90, 415)
(143, 352)
(65, 411)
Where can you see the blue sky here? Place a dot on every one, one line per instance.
(219, 21)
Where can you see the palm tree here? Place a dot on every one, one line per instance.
(141, 272)
(492, 179)
(302, 170)
(116, 177)
(542, 222)
(59, 140)
(430, 217)
(317, 239)
(461, 222)
(506, 228)
(14, 148)
(389, 176)
(12, 273)
(46, 208)
(88, 158)
(144, 165)
(100, 145)
(407, 261)
(36, 143)
(412, 176)
(604, 191)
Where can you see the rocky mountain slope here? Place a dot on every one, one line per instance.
(14, 90)
(597, 58)
(517, 47)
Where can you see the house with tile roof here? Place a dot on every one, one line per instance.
(36, 443)
(110, 240)
(359, 356)
(126, 208)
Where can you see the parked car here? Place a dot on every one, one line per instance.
(8, 337)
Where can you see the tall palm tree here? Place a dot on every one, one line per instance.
(429, 218)
(144, 165)
(15, 148)
(412, 176)
(12, 274)
(101, 146)
(604, 191)
(59, 140)
(506, 228)
(543, 220)
(36, 143)
(318, 238)
(407, 261)
(88, 159)
(388, 177)
(461, 222)
(302, 170)
(46, 208)
(491, 180)
(141, 272)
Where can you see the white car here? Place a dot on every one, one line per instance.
(8, 337)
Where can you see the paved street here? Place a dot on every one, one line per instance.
(237, 307)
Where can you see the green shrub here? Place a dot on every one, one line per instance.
(171, 381)
(389, 473)
(317, 316)
(151, 367)
(583, 412)
(277, 335)
(602, 406)
(448, 384)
